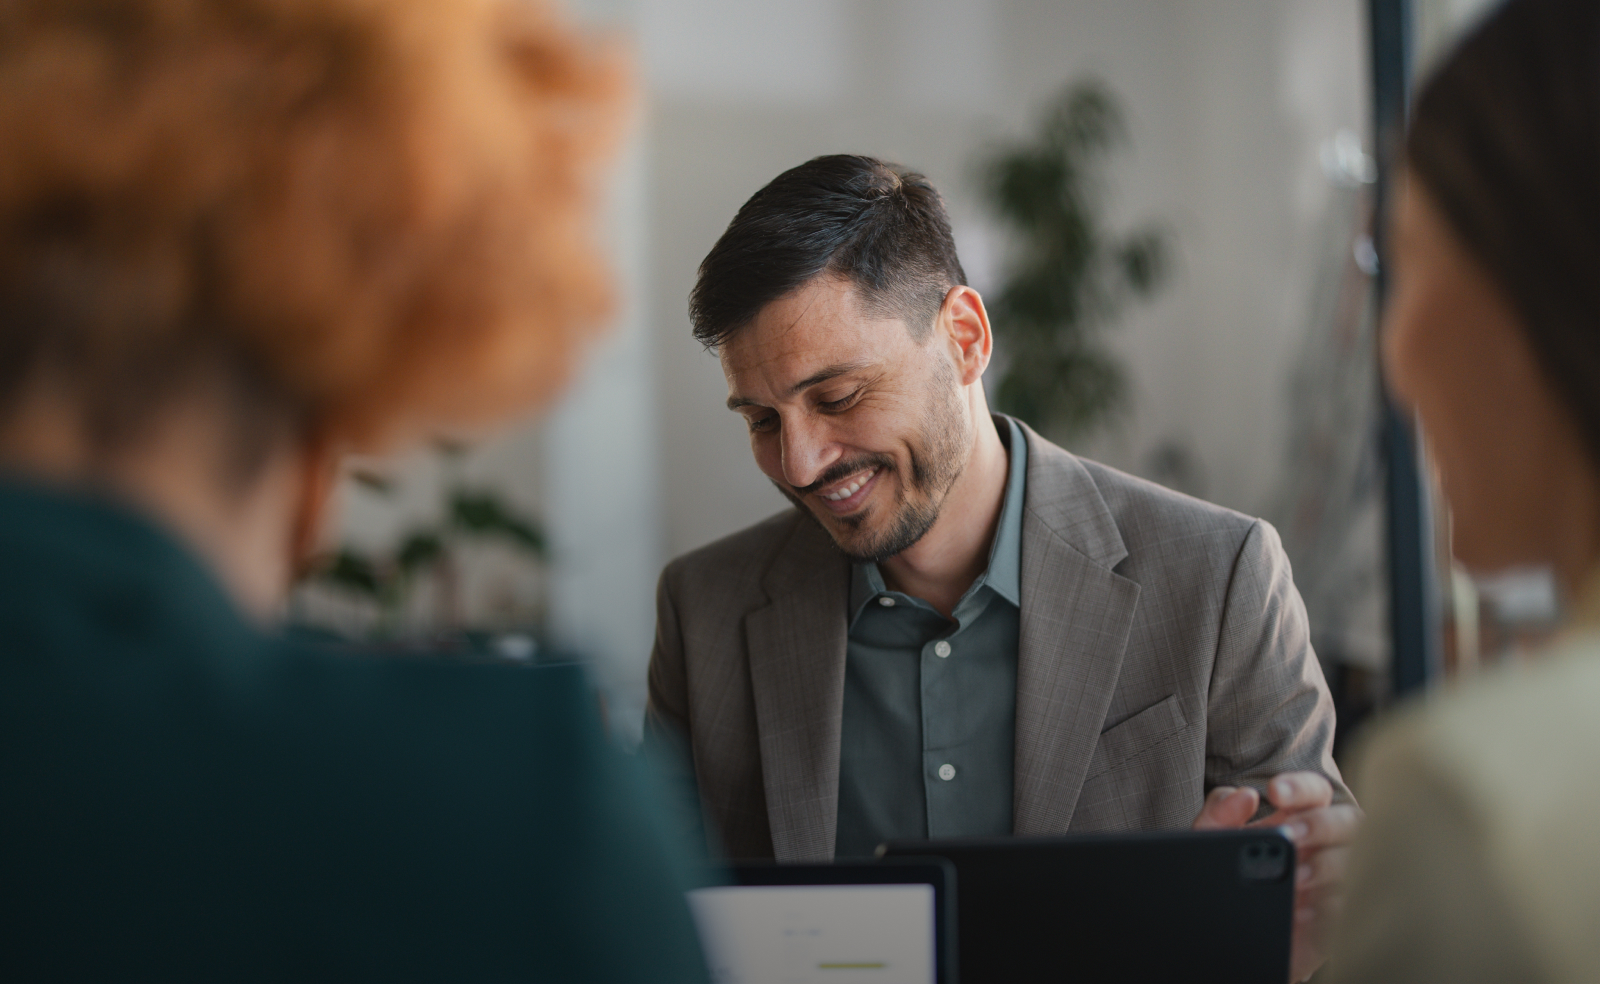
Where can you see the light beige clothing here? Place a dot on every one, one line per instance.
(1163, 650)
(1480, 857)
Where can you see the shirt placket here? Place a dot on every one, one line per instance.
(943, 760)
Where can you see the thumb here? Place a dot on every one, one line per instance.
(1227, 807)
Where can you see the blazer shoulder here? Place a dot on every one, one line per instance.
(1109, 514)
(1150, 517)
(1175, 541)
(1142, 505)
(739, 557)
(1127, 523)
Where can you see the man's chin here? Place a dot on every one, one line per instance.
(845, 530)
(849, 533)
(871, 533)
(868, 538)
(855, 543)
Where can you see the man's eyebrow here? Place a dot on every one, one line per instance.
(820, 376)
(824, 375)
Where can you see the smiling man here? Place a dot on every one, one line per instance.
(960, 629)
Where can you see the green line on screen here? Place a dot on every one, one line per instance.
(877, 965)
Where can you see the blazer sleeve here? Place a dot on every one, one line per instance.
(1268, 707)
(667, 704)
(666, 721)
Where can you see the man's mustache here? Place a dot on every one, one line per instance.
(844, 469)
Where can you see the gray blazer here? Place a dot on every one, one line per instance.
(1164, 650)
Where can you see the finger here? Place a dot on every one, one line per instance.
(1220, 793)
(1308, 948)
(1294, 792)
(1314, 911)
(1227, 807)
(1217, 796)
(1299, 791)
(1319, 903)
(1321, 869)
(1340, 821)
(1330, 826)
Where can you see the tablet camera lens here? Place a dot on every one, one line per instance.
(1263, 861)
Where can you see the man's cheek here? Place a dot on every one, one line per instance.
(867, 424)
(769, 458)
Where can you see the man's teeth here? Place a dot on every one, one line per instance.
(852, 488)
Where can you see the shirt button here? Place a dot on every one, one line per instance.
(947, 772)
(886, 601)
(941, 649)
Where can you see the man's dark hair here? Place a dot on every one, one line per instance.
(879, 225)
(1506, 140)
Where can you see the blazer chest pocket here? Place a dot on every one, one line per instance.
(1132, 737)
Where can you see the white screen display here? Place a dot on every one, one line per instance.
(800, 934)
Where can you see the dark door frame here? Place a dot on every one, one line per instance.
(1413, 595)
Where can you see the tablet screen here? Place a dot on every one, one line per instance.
(797, 934)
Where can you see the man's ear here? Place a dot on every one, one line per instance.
(966, 325)
(320, 459)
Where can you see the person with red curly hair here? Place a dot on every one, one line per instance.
(238, 240)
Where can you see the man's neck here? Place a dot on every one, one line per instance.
(940, 567)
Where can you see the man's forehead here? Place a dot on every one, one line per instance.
(819, 324)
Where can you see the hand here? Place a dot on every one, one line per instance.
(1321, 832)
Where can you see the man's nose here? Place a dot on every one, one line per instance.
(808, 450)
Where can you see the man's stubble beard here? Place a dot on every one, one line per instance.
(936, 462)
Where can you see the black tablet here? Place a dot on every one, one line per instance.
(875, 922)
(1147, 907)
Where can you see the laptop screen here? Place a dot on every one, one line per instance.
(797, 934)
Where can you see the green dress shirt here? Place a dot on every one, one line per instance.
(929, 723)
(189, 798)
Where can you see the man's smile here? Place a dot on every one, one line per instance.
(846, 495)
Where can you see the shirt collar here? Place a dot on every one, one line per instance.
(1005, 557)
(1004, 573)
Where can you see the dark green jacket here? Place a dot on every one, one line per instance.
(184, 797)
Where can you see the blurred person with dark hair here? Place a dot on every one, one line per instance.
(961, 629)
(1479, 862)
(239, 238)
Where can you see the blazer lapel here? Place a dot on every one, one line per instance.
(1076, 616)
(797, 657)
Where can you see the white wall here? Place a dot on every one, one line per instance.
(1228, 104)
(601, 478)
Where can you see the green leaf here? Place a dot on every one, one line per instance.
(353, 572)
(1069, 278)
(373, 482)
(1142, 258)
(483, 513)
(419, 549)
